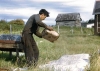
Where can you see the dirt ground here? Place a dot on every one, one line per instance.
(4, 69)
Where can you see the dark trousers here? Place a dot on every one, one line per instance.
(30, 49)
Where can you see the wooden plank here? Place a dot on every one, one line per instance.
(3, 45)
(9, 42)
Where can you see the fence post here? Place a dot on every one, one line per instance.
(72, 29)
(81, 30)
(10, 29)
(58, 28)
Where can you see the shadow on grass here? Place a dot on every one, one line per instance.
(13, 59)
(6, 57)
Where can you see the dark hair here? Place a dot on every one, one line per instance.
(43, 11)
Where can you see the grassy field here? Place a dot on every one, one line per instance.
(78, 41)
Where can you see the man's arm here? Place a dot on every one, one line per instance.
(38, 34)
(41, 24)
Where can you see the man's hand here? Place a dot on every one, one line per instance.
(50, 28)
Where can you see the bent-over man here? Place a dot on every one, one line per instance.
(31, 27)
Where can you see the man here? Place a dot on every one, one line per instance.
(31, 27)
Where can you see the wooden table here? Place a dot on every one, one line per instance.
(11, 46)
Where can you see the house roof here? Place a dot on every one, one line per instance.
(96, 9)
(68, 16)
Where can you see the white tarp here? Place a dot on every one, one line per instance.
(77, 62)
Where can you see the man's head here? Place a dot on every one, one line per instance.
(43, 14)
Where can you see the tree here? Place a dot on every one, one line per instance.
(91, 21)
(3, 21)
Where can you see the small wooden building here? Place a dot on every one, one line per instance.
(69, 19)
(96, 13)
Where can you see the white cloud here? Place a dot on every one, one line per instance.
(52, 0)
(26, 11)
(19, 11)
(84, 7)
(86, 16)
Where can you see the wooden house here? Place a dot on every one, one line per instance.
(69, 19)
(96, 13)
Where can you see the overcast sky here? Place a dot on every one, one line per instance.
(23, 9)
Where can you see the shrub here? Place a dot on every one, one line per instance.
(3, 21)
(17, 21)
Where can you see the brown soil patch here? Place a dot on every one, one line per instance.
(4, 69)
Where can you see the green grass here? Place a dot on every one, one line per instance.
(68, 43)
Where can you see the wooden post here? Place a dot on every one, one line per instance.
(10, 54)
(72, 29)
(10, 29)
(17, 51)
(81, 30)
(2, 54)
(58, 28)
(17, 54)
(97, 25)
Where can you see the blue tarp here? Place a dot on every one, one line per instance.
(10, 37)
